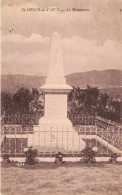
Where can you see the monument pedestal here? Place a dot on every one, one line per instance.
(55, 132)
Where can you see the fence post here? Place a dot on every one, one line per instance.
(15, 141)
(62, 137)
(67, 139)
(51, 141)
(107, 139)
(96, 129)
(44, 140)
(21, 141)
(56, 137)
(72, 143)
(9, 140)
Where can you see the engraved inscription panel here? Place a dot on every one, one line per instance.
(55, 105)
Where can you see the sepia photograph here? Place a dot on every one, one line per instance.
(61, 97)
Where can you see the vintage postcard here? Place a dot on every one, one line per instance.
(61, 97)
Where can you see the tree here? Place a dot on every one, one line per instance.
(90, 97)
(6, 102)
(92, 101)
(21, 99)
(37, 103)
(84, 100)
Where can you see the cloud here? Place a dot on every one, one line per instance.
(35, 64)
(16, 38)
(26, 45)
(78, 45)
(90, 40)
(83, 55)
(79, 54)
(101, 22)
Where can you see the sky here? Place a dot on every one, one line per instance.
(91, 39)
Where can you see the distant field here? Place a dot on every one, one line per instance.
(68, 179)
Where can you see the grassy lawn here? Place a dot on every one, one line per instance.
(68, 179)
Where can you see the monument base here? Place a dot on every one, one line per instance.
(56, 135)
(63, 124)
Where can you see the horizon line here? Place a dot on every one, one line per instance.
(64, 75)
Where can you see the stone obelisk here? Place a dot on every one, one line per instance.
(55, 89)
(55, 129)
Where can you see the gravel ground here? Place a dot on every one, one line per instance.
(68, 179)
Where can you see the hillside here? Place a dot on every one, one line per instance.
(101, 79)
(12, 83)
(107, 79)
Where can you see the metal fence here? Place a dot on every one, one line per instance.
(82, 119)
(109, 136)
(21, 119)
(33, 119)
(18, 129)
(15, 139)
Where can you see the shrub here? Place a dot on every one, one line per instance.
(59, 158)
(6, 158)
(89, 155)
(30, 155)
